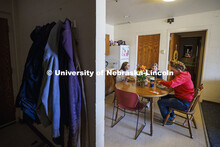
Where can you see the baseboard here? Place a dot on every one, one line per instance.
(27, 120)
(210, 101)
(39, 134)
(204, 126)
(8, 124)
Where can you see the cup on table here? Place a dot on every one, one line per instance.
(152, 82)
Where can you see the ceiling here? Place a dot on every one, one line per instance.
(143, 10)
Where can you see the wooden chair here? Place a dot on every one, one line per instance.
(110, 81)
(189, 112)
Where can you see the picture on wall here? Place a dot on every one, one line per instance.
(187, 51)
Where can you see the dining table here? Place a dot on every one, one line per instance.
(147, 92)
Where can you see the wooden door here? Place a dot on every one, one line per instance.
(106, 44)
(148, 50)
(7, 109)
(174, 44)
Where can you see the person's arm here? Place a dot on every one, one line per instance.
(166, 83)
(120, 78)
(178, 80)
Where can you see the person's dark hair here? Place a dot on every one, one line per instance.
(178, 65)
(124, 64)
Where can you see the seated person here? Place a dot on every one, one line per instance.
(154, 69)
(124, 69)
(183, 89)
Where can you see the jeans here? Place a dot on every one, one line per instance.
(171, 101)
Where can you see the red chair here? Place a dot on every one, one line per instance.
(129, 101)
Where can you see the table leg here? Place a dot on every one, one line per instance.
(151, 116)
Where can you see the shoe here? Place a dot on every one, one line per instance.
(173, 117)
(148, 105)
(168, 123)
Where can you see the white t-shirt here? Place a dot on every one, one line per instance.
(122, 77)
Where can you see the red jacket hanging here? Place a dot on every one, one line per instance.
(183, 86)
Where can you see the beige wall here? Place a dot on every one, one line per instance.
(202, 21)
(6, 6)
(110, 31)
(30, 13)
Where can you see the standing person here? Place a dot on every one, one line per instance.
(124, 72)
(183, 88)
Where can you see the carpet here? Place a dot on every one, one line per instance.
(211, 113)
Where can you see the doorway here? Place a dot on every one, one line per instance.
(148, 50)
(190, 47)
(7, 109)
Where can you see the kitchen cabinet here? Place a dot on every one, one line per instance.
(107, 44)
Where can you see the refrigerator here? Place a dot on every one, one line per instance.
(117, 55)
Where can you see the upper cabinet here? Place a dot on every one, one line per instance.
(107, 44)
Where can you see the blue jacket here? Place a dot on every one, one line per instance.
(48, 107)
(32, 77)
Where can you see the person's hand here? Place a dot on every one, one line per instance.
(162, 82)
(169, 89)
(159, 80)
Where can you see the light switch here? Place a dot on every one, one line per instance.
(162, 51)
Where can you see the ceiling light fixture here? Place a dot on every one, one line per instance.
(126, 16)
(168, 0)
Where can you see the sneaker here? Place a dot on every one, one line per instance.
(173, 117)
(168, 123)
(148, 105)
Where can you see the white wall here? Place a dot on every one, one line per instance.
(100, 66)
(110, 31)
(202, 21)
